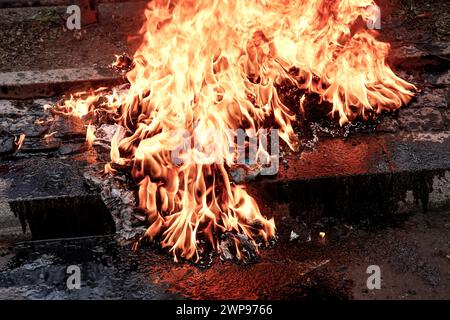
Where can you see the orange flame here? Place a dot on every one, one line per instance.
(19, 141)
(210, 66)
(90, 135)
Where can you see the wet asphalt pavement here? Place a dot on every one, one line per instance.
(412, 251)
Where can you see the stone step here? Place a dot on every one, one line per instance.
(48, 198)
(364, 176)
(413, 56)
(33, 84)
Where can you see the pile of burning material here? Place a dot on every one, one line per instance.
(206, 69)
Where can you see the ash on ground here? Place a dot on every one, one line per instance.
(118, 190)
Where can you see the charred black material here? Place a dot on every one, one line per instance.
(64, 217)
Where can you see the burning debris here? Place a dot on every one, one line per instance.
(123, 64)
(206, 68)
(238, 248)
(19, 141)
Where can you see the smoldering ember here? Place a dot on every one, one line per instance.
(211, 149)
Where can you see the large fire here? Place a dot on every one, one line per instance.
(207, 66)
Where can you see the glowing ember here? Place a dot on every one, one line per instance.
(205, 67)
(19, 141)
(49, 135)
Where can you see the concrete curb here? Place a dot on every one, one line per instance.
(33, 84)
(365, 176)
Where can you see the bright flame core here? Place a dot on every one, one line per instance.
(213, 65)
